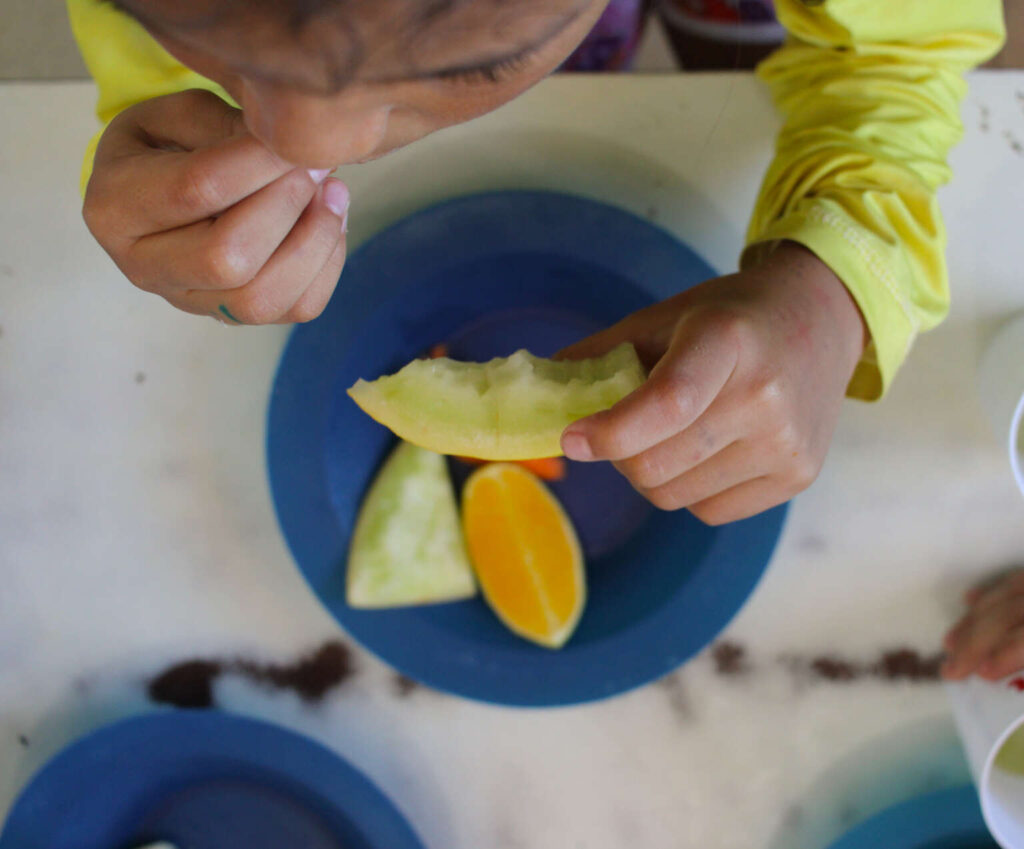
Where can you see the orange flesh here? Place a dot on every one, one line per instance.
(525, 553)
(546, 468)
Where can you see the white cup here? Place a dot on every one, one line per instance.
(1001, 390)
(987, 714)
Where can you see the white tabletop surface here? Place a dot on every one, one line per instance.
(136, 529)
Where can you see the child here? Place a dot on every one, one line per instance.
(209, 186)
(989, 639)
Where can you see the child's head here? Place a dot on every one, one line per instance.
(326, 82)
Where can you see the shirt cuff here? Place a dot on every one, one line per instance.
(844, 247)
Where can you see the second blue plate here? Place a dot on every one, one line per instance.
(948, 819)
(202, 780)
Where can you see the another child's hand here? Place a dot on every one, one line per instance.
(988, 641)
(193, 208)
(749, 372)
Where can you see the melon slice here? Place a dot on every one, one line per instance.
(407, 547)
(1010, 757)
(511, 408)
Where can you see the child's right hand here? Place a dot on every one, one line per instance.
(988, 641)
(193, 208)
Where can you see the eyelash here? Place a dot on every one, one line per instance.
(491, 74)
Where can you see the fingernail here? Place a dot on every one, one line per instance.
(576, 446)
(336, 198)
(318, 175)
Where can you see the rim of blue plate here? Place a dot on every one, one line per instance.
(945, 819)
(196, 743)
(304, 403)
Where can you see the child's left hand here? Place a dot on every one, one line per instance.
(988, 641)
(749, 373)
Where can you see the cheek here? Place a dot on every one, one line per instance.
(455, 103)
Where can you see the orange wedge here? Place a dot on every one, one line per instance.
(525, 553)
(546, 468)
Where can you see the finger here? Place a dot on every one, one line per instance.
(958, 637)
(1006, 659)
(315, 298)
(650, 331)
(162, 191)
(954, 634)
(991, 592)
(695, 368)
(982, 636)
(981, 600)
(733, 465)
(743, 501)
(684, 451)
(224, 252)
(280, 284)
(183, 121)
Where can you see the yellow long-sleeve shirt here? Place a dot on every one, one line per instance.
(870, 92)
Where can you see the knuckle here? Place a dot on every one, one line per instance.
(732, 325)
(770, 397)
(196, 188)
(675, 400)
(710, 514)
(253, 309)
(664, 499)
(225, 265)
(98, 212)
(646, 471)
(96, 218)
(803, 471)
(307, 309)
(147, 284)
(788, 440)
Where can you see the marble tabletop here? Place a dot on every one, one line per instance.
(141, 562)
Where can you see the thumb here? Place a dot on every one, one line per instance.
(683, 384)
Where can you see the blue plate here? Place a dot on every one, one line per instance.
(202, 780)
(488, 274)
(949, 819)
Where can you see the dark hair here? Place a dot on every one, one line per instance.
(296, 13)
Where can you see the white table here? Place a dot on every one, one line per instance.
(136, 528)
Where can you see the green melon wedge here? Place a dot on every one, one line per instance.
(511, 408)
(1010, 757)
(407, 547)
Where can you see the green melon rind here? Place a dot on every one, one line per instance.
(407, 547)
(511, 408)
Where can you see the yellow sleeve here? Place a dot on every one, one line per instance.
(128, 65)
(870, 92)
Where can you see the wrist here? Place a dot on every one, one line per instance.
(821, 291)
